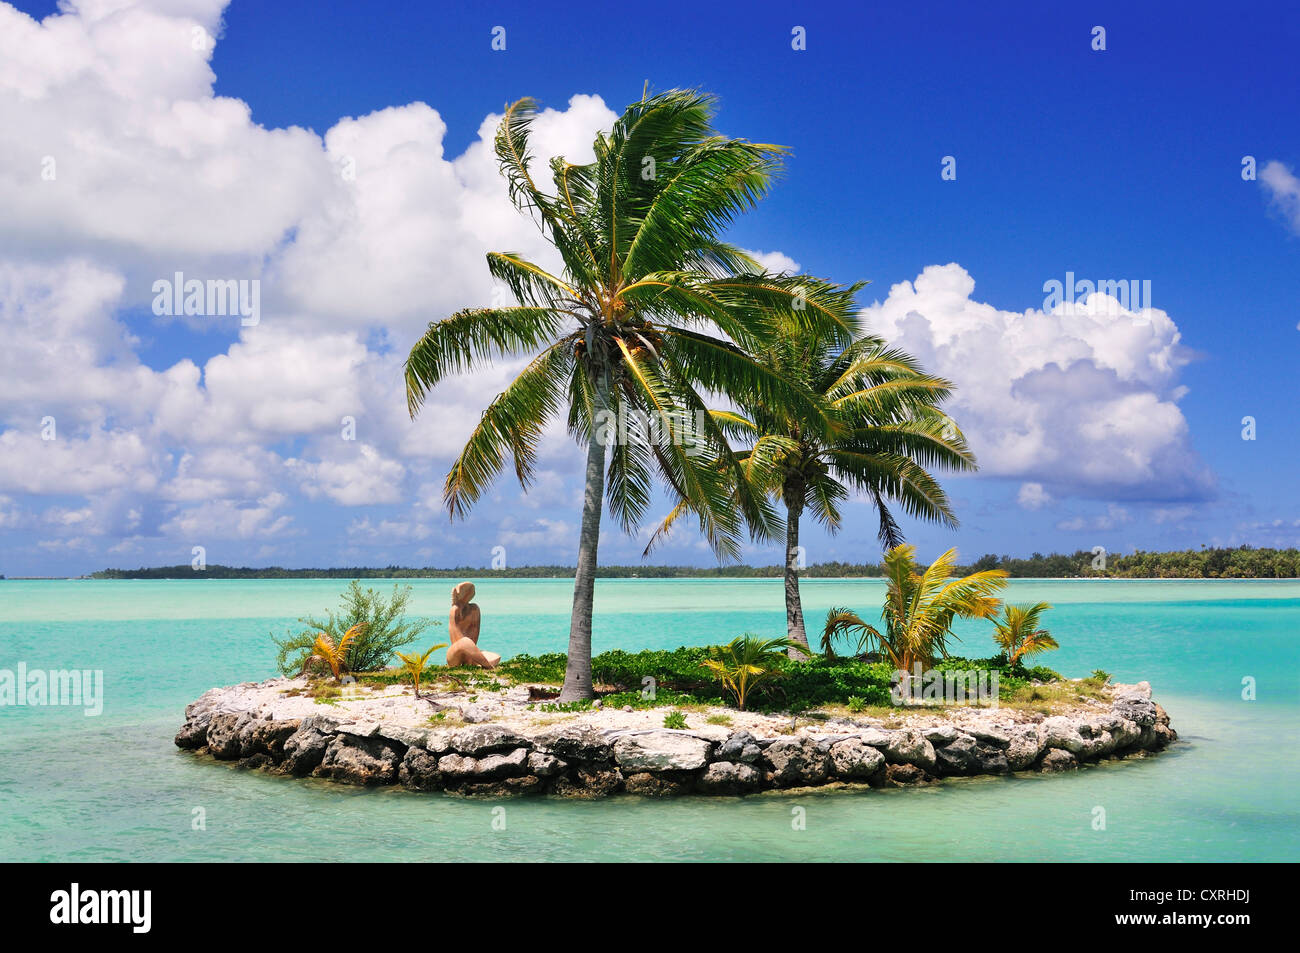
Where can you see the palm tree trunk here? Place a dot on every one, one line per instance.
(577, 672)
(794, 626)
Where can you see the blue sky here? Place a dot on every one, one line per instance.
(1093, 429)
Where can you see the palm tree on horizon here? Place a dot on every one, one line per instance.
(651, 308)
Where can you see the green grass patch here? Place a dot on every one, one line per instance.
(677, 679)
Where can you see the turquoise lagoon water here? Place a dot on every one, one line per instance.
(113, 788)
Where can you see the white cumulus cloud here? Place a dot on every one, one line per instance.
(1081, 400)
(1284, 189)
(119, 166)
(1032, 496)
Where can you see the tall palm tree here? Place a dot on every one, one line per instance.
(881, 435)
(1018, 634)
(650, 309)
(920, 606)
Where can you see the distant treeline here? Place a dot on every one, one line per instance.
(1241, 563)
(460, 572)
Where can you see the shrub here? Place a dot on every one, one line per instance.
(1041, 673)
(857, 704)
(680, 669)
(385, 629)
(681, 678)
(675, 719)
(829, 681)
(746, 662)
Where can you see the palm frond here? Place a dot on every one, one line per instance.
(511, 426)
(454, 344)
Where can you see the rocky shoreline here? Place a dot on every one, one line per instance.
(585, 756)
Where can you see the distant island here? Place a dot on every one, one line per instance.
(1243, 562)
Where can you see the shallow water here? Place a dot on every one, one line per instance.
(114, 788)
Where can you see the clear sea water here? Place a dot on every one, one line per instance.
(113, 788)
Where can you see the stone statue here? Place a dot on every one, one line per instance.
(462, 626)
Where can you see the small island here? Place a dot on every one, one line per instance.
(761, 403)
(751, 716)
(507, 742)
